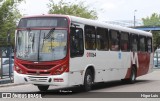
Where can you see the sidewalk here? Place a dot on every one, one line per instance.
(5, 81)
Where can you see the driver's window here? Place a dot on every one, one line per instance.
(76, 42)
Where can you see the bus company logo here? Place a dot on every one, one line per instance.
(38, 72)
(6, 95)
(89, 54)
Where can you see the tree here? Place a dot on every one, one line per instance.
(9, 15)
(153, 20)
(68, 8)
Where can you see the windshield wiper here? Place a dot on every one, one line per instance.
(49, 33)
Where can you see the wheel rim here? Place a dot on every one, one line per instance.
(89, 80)
(133, 76)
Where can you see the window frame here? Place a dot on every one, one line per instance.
(139, 43)
(106, 35)
(131, 42)
(128, 41)
(111, 40)
(94, 43)
(82, 51)
(147, 38)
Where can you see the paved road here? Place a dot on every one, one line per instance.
(146, 83)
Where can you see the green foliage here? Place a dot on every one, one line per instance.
(69, 8)
(153, 20)
(9, 15)
(156, 39)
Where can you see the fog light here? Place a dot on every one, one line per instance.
(17, 68)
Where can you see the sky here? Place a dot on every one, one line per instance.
(108, 10)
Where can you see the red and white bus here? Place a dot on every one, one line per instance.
(62, 50)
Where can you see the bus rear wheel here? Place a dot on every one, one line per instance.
(43, 87)
(88, 80)
(132, 78)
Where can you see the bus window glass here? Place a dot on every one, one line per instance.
(124, 41)
(90, 38)
(142, 43)
(114, 40)
(76, 42)
(102, 39)
(149, 44)
(41, 45)
(134, 43)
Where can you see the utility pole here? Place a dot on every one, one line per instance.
(134, 18)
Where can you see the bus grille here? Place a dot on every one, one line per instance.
(39, 67)
(40, 73)
(37, 79)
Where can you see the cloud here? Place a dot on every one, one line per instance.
(106, 9)
(109, 6)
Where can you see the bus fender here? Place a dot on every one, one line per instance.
(90, 66)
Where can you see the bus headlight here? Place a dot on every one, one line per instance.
(18, 70)
(60, 70)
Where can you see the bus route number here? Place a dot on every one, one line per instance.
(89, 54)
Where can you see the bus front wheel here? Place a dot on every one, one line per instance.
(43, 87)
(88, 80)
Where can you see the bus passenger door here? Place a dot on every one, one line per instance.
(76, 55)
(76, 42)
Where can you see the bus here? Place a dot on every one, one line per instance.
(64, 50)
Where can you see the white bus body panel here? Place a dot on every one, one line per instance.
(108, 66)
(41, 80)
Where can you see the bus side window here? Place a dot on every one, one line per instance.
(134, 43)
(124, 41)
(142, 43)
(114, 40)
(90, 37)
(76, 42)
(102, 39)
(149, 44)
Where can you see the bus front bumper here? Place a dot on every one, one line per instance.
(55, 80)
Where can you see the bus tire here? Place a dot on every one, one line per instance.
(132, 78)
(43, 87)
(88, 80)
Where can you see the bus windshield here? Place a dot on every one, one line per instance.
(41, 45)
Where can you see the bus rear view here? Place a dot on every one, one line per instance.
(41, 53)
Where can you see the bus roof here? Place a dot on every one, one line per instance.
(109, 26)
(96, 23)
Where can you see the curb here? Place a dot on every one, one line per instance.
(11, 84)
(8, 82)
(5, 81)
